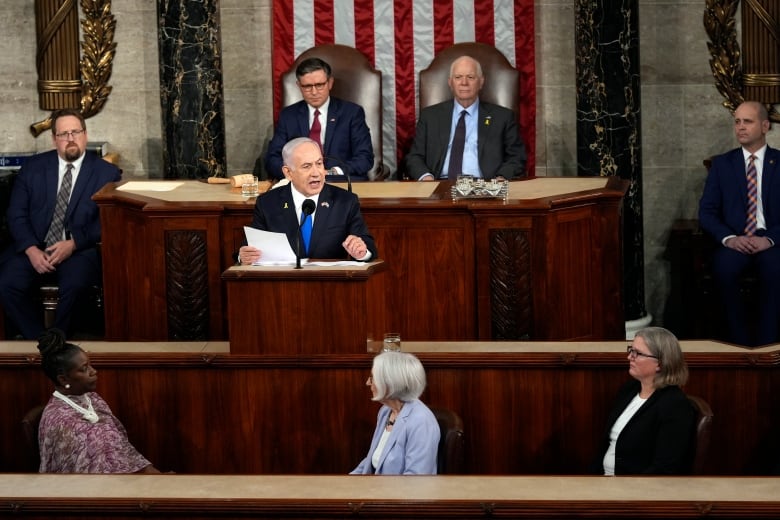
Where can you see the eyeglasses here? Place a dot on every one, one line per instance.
(634, 352)
(314, 86)
(67, 136)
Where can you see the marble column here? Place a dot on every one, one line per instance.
(608, 121)
(191, 92)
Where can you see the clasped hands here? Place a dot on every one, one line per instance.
(354, 245)
(48, 260)
(748, 245)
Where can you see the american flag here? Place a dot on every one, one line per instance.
(400, 38)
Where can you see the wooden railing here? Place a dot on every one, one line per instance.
(527, 408)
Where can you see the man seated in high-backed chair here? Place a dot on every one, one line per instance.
(339, 126)
(466, 136)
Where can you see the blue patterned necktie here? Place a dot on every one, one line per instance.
(306, 231)
(57, 226)
(752, 197)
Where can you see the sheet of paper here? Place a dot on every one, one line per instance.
(150, 186)
(274, 246)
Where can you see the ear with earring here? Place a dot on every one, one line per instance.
(67, 385)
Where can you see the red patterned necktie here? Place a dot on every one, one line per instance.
(57, 226)
(316, 129)
(752, 197)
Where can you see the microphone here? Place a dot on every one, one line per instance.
(344, 167)
(306, 210)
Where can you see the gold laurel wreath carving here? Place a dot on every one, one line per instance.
(725, 54)
(98, 49)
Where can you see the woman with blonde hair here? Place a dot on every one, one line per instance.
(650, 428)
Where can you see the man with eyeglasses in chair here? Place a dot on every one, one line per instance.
(338, 126)
(54, 225)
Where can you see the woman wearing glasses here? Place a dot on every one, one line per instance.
(650, 429)
(406, 438)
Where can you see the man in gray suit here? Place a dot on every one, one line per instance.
(487, 144)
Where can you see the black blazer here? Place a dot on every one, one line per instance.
(658, 439)
(336, 216)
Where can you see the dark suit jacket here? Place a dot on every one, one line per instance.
(35, 195)
(337, 215)
(347, 138)
(501, 151)
(657, 440)
(723, 204)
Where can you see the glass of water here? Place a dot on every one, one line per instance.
(392, 342)
(250, 188)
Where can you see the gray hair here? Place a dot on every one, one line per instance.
(398, 375)
(289, 148)
(456, 60)
(664, 345)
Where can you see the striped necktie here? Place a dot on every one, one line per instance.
(57, 226)
(752, 197)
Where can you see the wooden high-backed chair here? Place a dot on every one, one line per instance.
(355, 80)
(30, 423)
(701, 440)
(450, 456)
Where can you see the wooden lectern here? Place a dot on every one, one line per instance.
(309, 311)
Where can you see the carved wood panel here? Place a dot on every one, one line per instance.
(187, 284)
(511, 297)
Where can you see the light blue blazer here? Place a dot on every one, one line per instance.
(412, 446)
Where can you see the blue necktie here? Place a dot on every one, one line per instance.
(306, 231)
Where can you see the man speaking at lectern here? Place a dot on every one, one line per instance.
(334, 226)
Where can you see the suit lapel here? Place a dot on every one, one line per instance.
(321, 215)
(334, 110)
(289, 217)
(80, 186)
(443, 134)
(769, 179)
(740, 176)
(485, 118)
(52, 180)
(398, 429)
(303, 119)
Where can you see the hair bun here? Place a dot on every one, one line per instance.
(51, 342)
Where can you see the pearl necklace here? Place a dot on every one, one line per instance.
(88, 413)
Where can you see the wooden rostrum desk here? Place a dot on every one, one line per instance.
(544, 265)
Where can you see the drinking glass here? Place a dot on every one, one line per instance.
(464, 185)
(392, 342)
(250, 188)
